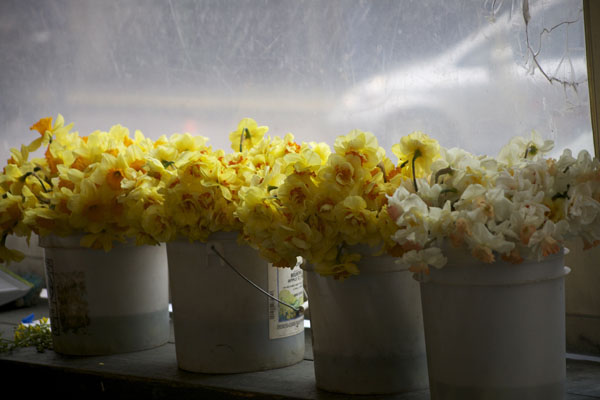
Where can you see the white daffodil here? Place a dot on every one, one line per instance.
(429, 193)
(412, 221)
(502, 206)
(421, 260)
(582, 207)
(520, 149)
(548, 239)
(483, 243)
(441, 220)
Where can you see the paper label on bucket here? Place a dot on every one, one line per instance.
(67, 300)
(286, 284)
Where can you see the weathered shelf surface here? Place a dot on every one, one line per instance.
(153, 374)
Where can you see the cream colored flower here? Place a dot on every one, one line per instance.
(419, 261)
(521, 148)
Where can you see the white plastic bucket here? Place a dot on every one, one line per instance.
(222, 323)
(367, 330)
(496, 331)
(106, 302)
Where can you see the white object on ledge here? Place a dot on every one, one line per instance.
(12, 286)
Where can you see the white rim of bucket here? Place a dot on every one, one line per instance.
(565, 271)
(74, 242)
(463, 269)
(213, 237)
(370, 261)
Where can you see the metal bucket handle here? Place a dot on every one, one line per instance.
(299, 310)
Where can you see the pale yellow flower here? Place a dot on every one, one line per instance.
(360, 148)
(247, 135)
(340, 171)
(9, 255)
(343, 267)
(356, 222)
(418, 150)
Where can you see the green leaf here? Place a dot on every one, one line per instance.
(22, 178)
(449, 190)
(167, 164)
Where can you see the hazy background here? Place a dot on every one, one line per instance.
(469, 73)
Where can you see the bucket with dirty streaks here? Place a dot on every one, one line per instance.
(106, 302)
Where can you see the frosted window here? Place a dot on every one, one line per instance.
(469, 73)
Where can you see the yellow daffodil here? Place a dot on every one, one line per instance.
(356, 222)
(9, 255)
(290, 199)
(360, 148)
(247, 135)
(343, 267)
(416, 152)
(340, 171)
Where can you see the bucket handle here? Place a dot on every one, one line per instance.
(299, 310)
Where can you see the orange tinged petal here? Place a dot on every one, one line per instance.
(52, 162)
(15, 214)
(114, 177)
(483, 253)
(66, 183)
(80, 163)
(117, 208)
(549, 246)
(137, 164)
(45, 223)
(526, 232)
(513, 257)
(421, 267)
(293, 147)
(590, 245)
(94, 212)
(175, 183)
(396, 251)
(62, 207)
(43, 125)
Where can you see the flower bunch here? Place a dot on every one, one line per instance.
(310, 200)
(81, 186)
(198, 188)
(109, 187)
(331, 201)
(36, 335)
(519, 205)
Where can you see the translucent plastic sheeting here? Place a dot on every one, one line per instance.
(469, 73)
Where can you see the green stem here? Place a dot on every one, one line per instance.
(443, 171)
(530, 149)
(414, 174)
(338, 257)
(42, 183)
(244, 133)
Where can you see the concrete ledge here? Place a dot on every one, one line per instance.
(153, 374)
